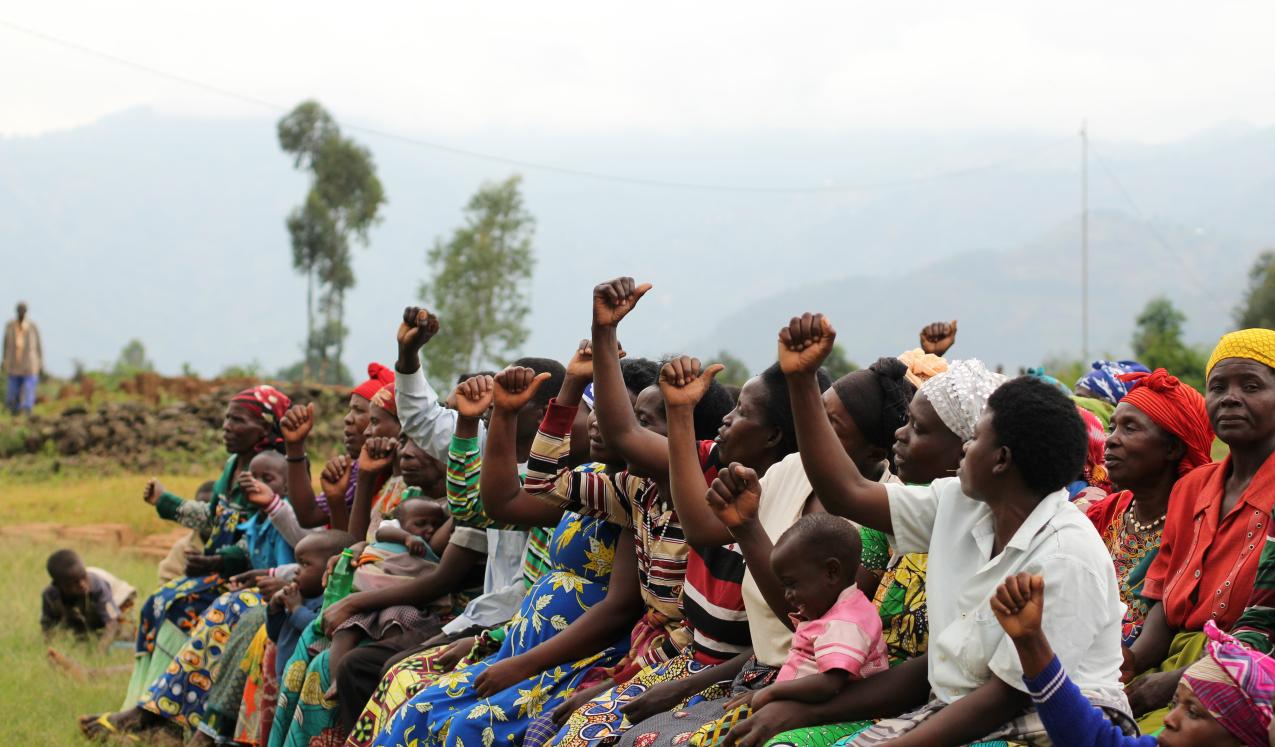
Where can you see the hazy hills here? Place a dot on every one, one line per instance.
(171, 230)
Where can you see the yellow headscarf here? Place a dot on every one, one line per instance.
(1255, 344)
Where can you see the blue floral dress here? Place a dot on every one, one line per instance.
(450, 713)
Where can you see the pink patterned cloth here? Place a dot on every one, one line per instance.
(1236, 684)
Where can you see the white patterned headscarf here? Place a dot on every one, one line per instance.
(960, 394)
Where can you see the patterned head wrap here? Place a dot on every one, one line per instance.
(587, 395)
(1236, 684)
(1096, 457)
(1104, 379)
(269, 404)
(1177, 408)
(1254, 344)
(922, 366)
(877, 399)
(377, 377)
(960, 394)
(384, 399)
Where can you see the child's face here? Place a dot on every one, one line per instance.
(75, 583)
(272, 471)
(1189, 724)
(810, 585)
(421, 518)
(309, 578)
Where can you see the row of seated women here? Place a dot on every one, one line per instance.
(619, 552)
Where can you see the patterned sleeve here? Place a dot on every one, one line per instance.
(551, 479)
(1256, 627)
(840, 644)
(876, 549)
(464, 499)
(190, 514)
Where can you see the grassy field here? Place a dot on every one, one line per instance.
(38, 705)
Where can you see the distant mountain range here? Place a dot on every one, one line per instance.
(170, 230)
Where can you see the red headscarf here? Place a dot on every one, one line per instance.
(1177, 408)
(1096, 459)
(384, 399)
(269, 404)
(377, 377)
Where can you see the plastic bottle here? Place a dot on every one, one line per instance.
(340, 583)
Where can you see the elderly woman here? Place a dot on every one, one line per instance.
(1005, 512)
(1160, 432)
(1218, 515)
(250, 426)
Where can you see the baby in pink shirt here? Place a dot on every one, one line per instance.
(837, 633)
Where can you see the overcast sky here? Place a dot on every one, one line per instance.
(1139, 70)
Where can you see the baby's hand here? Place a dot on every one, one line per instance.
(416, 546)
(1019, 604)
(291, 596)
(152, 491)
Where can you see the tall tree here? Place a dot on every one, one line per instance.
(342, 205)
(133, 359)
(481, 277)
(1258, 307)
(1157, 342)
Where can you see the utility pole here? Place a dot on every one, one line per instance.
(1084, 240)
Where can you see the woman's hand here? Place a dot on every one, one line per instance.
(340, 612)
(245, 580)
(777, 717)
(335, 478)
(1154, 691)
(474, 396)
(202, 565)
(938, 338)
(256, 491)
(456, 651)
(515, 386)
(569, 706)
(657, 699)
(501, 676)
(152, 491)
(296, 423)
(270, 585)
(805, 343)
(682, 382)
(377, 455)
(1019, 604)
(735, 495)
(613, 300)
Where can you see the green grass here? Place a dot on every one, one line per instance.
(38, 706)
(112, 499)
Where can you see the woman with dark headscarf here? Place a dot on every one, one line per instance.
(250, 426)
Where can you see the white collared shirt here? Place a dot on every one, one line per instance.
(967, 646)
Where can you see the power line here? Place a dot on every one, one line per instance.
(533, 165)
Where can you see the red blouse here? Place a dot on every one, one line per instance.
(1207, 562)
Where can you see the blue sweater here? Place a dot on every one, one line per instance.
(285, 629)
(1070, 719)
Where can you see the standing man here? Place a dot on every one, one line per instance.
(22, 359)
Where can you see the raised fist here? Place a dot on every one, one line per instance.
(682, 382)
(297, 422)
(612, 301)
(805, 343)
(474, 396)
(735, 495)
(515, 386)
(938, 337)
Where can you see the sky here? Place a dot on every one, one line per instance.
(1139, 70)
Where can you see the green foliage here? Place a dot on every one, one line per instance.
(837, 364)
(342, 205)
(132, 360)
(1157, 342)
(1066, 370)
(479, 285)
(736, 372)
(251, 370)
(1257, 309)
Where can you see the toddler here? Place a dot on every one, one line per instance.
(837, 631)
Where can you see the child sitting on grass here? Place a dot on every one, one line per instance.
(83, 600)
(837, 630)
(1223, 699)
(295, 606)
(402, 551)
